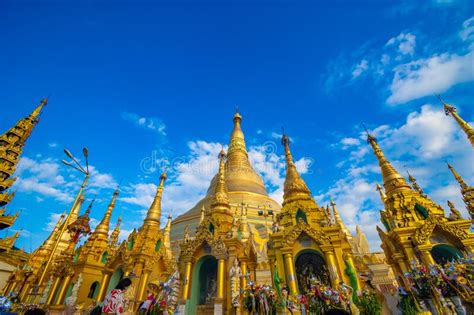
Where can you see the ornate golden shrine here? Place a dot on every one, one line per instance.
(417, 229)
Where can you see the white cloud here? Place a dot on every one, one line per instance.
(53, 219)
(52, 144)
(45, 177)
(150, 123)
(403, 74)
(360, 68)
(347, 142)
(430, 76)
(406, 43)
(468, 29)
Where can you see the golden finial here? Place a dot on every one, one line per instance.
(450, 110)
(455, 214)
(458, 177)
(38, 109)
(294, 186)
(379, 188)
(103, 226)
(392, 180)
(414, 184)
(220, 192)
(154, 213)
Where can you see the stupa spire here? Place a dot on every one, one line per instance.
(458, 177)
(451, 111)
(11, 147)
(466, 191)
(220, 192)
(49, 242)
(116, 232)
(392, 180)
(294, 187)
(167, 231)
(103, 227)
(154, 213)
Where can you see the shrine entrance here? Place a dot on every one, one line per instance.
(203, 286)
(311, 268)
(443, 253)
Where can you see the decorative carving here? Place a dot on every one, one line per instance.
(293, 233)
(423, 234)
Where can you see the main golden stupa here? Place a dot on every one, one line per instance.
(245, 188)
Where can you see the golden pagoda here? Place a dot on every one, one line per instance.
(11, 147)
(244, 186)
(307, 243)
(416, 228)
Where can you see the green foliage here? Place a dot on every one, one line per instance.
(369, 304)
(408, 305)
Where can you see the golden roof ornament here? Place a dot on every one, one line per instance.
(466, 191)
(379, 188)
(450, 110)
(455, 214)
(415, 185)
(116, 233)
(294, 187)
(154, 213)
(103, 226)
(220, 192)
(392, 180)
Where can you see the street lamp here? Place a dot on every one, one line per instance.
(74, 164)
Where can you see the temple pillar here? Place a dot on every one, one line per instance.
(24, 292)
(142, 286)
(187, 280)
(52, 292)
(243, 279)
(426, 257)
(290, 273)
(220, 278)
(103, 287)
(332, 267)
(63, 290)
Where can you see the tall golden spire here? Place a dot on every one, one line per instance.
(103, 227)
(294, 187)
(11, 147)
(458, 177)
(392, 180)
(220, 192)
(466, 191)
(154, 213)
(38, 109)
(49, 242)
(338, 219)
(451, 111)
(116, 233)
(167, 231)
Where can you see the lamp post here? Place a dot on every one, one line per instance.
(74, 164)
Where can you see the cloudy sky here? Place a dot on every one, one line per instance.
(155, 85)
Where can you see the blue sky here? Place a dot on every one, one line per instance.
(159, 81)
